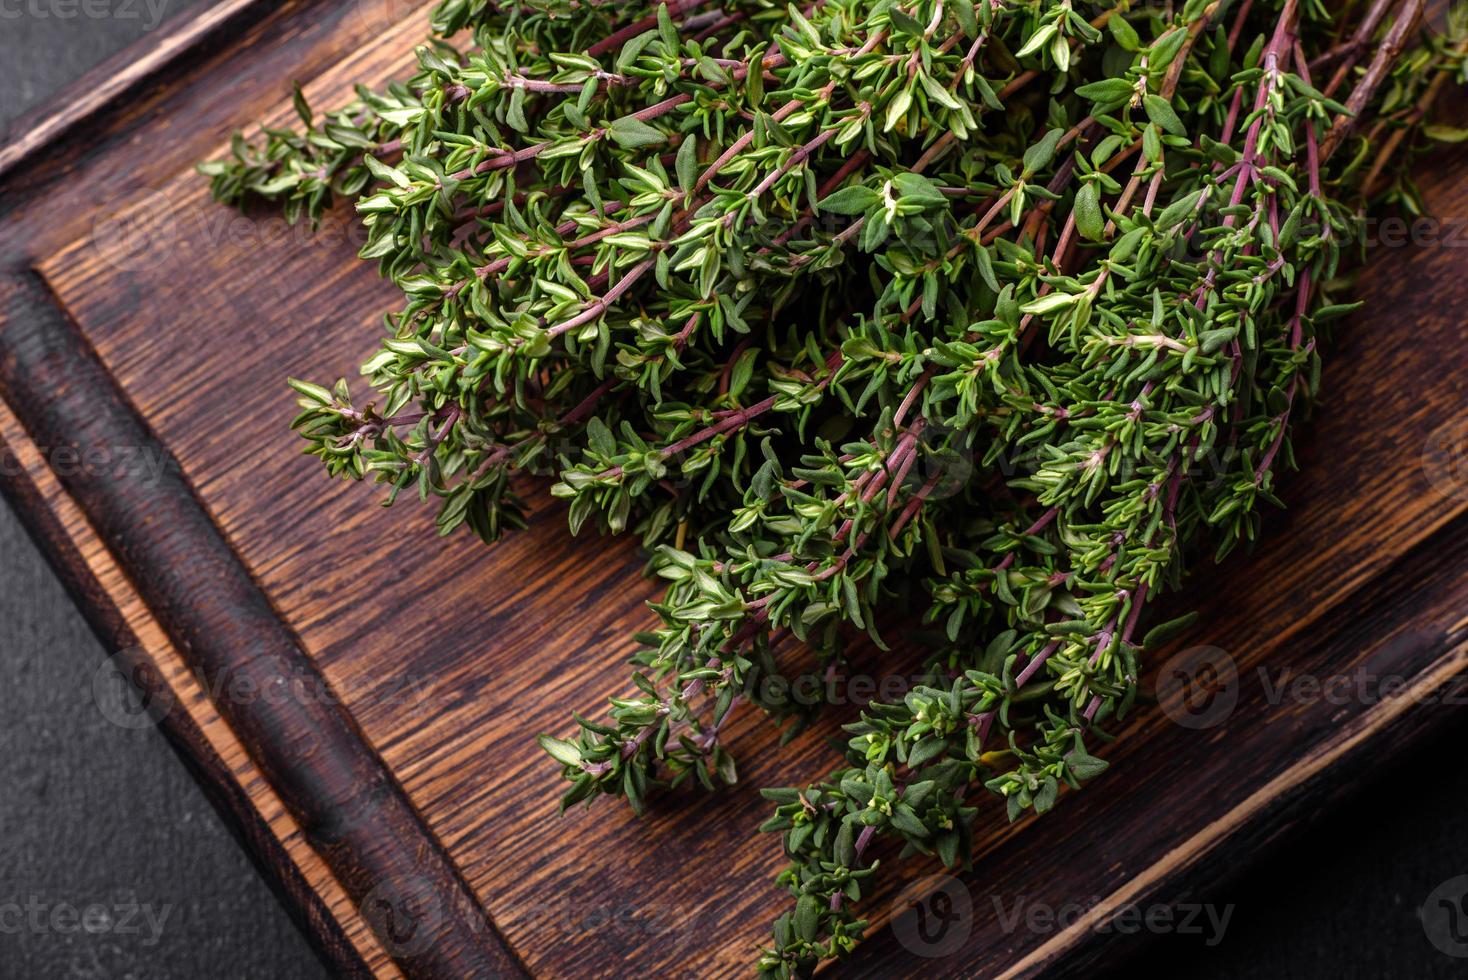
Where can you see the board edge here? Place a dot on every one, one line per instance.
(303, 903)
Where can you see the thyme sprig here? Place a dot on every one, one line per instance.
(979, 315)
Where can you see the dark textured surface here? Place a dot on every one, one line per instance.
(1341, 901)
(93, 815)
(96, 815)
(99, 815)
(47, 44)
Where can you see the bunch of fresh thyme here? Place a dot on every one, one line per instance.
(980, 313)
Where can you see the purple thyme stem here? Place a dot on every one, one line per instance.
(915, 504)
(1095, 704)
(1281, 45)
(1034, 528)
(611, 296)
(504, 159)
(706, 740)
(434, 441)
(541, 86)
(1136, 614)
(863, 839)
(562, 230)
(1386, 56)
(904, 465)
(1305, 289)
(735, 420)
(739, 144)
(712, 22)
(630, 747)
(985, 720)
(1036, 662)
(401, 419)
(587, 404)
(1367, 27)
(1169, 518)
(780, 114)
(676, 8)
(794, 161)
(691, 691)
(570, 418)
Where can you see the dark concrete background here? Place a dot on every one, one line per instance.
(95, 815)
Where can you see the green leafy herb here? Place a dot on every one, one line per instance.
(975, 315)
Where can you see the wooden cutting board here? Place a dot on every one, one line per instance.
(361, 698)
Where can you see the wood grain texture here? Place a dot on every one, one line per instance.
(450, 657)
